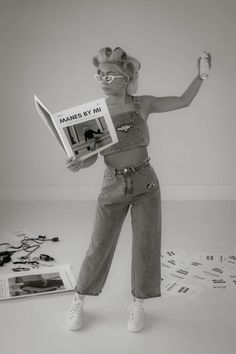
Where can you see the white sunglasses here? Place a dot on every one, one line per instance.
(108, 78)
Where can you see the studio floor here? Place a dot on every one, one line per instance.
(205, 324)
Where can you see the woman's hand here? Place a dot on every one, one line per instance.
(74, 164)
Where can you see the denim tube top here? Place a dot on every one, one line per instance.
(132, 131)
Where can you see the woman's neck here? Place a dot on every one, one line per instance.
(118, 100)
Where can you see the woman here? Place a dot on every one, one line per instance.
(129, 181)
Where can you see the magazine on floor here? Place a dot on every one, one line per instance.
(82, 131)
(41, 281)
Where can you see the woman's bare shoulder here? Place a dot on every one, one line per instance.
(144, 103)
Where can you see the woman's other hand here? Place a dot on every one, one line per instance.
(74, 164)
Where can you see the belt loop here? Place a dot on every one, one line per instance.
(128, 184)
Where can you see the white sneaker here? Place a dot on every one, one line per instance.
(75, 314)
(136, 316)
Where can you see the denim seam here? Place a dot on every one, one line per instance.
(109, 262)
(134, 287)
(146, 296)
(86, 293)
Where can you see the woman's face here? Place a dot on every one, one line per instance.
(118, 85)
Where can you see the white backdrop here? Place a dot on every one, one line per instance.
(47, 48)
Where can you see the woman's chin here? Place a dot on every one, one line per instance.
(107, 91)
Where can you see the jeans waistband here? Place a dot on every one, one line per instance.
(129, 169)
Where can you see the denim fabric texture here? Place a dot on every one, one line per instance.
(135, 187)
(131, 129)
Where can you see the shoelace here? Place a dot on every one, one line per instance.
(135, 309)
(76, 308)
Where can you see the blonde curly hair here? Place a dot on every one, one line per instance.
(127, 64)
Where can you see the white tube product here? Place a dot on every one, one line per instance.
(204, 66)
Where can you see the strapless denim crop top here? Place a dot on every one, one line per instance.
(131, 129)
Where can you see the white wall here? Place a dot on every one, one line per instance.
(47, 48)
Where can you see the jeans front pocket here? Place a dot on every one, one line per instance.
(113, 187)
(145, 180)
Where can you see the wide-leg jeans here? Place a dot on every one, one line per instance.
(137, 188)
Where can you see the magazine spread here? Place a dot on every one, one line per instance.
(83, 130)
(36, 282)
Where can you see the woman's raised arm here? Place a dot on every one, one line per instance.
(170, 103)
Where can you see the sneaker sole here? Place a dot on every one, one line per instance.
(133, 329)
(71, 328)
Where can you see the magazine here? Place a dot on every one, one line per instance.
(36, 282)
(82, 131)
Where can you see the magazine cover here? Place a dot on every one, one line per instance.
(83, 130)
(36, 282)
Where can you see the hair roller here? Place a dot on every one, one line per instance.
(102, 56)
(129, 68)
(118, 55)
(122, 53)
(108, 51)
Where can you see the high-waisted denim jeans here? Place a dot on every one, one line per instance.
(136, 187)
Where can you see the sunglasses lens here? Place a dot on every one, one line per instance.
(98, 78)
(109, 79)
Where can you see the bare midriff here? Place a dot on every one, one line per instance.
(127, 158)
